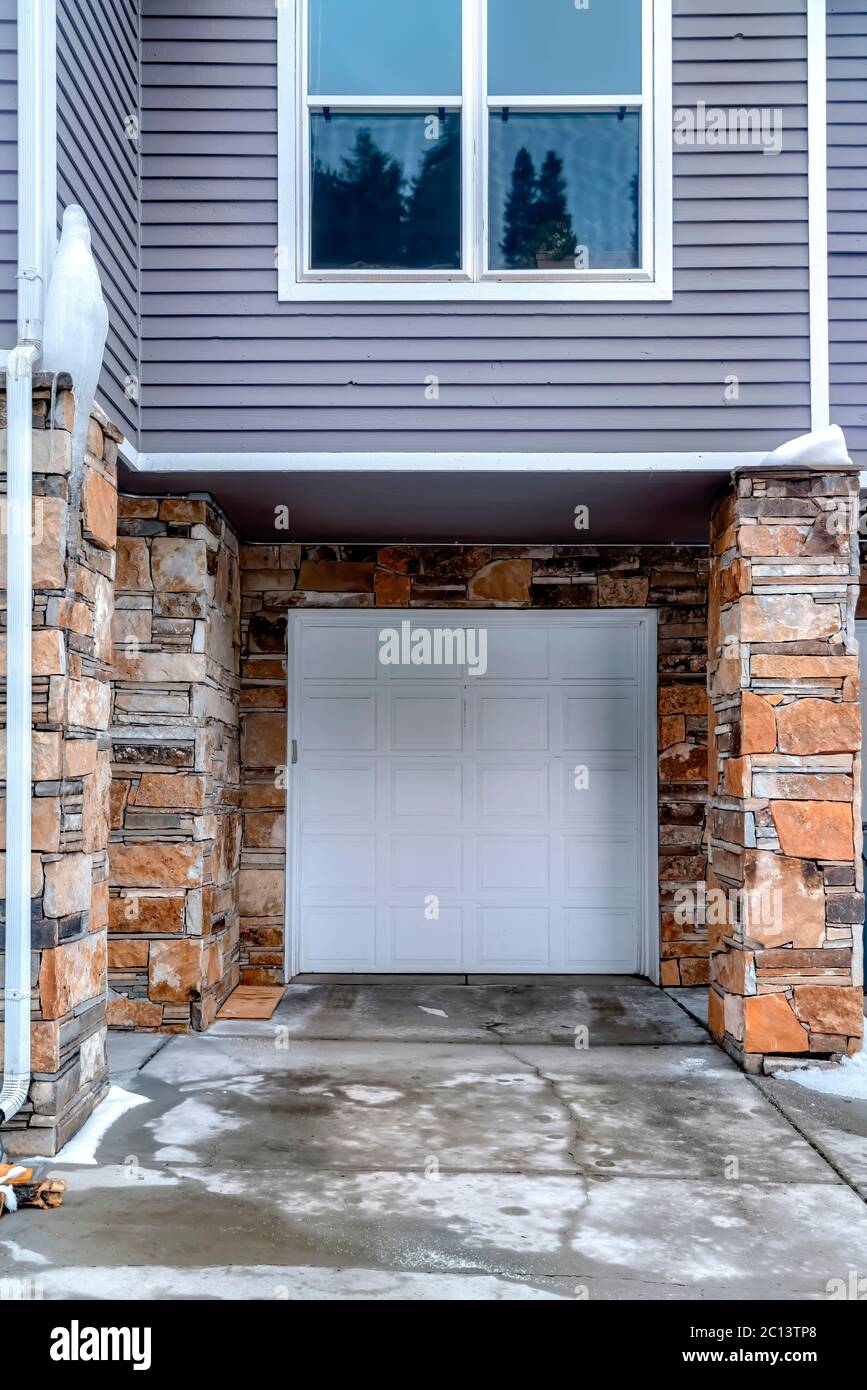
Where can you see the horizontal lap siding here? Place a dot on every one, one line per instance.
(97, 167)
(8, 174)
(227, 367)
(847, 219)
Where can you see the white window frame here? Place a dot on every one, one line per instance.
(475, 283)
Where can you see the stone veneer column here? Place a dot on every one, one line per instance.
(785, 738)
(175, 838)
(73, 573)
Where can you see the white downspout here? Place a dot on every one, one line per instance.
(36, 38)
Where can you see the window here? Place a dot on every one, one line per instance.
(475, 149)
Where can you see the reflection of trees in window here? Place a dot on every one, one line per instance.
(434, 205)
(360, 210)
(368, 215)
(538, 227)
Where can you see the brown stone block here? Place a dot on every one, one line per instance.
(67, 885)
(44, 1047)
(734, 971)
(400, 559)
(100, 511)
(336, 576)
(683, 762)
(758, 726)
(262, 796)
(802, 668)
(177, 791)
(623, 591)
(45, 823)
(127, 955)
(819, 726)
(672, 729)
(260, 892)
(257, 976)
(827, 957)
(133, 570)
(683, 698)
(814, 829)
(184, 511)
(715, 1015)
(98, 919)
(132, 1013)
(830, 1008)
(88, 704)
(157, 668)
(771, 1027)
(265, 830)
(139, 913)
(179, 565)
(263, 740)
(392, 590)
(786, 618)
(175, 971)
(502, 582)
(801, 917)
(71, 974)
(694, 970)
(155, 865)
(736, 777)
(137, 508)
(771, 541)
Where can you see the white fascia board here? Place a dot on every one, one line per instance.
(438, 462)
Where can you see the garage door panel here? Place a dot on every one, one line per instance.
(604, 722)
(345, 653)
(342, 793)
(418, 944)
(514, 936)
(425, 723)
(597, 652)
(338, 938)
(337, 863)
(516, 654)
(512, 861)
(513, 792)
(511, 722)
(426, 864)
(600, 939)
(603, 865)
(339, 721)
(429, 790)
(601, 793)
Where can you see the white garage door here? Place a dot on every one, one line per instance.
(496, 822)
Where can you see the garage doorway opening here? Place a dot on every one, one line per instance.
(492, 816)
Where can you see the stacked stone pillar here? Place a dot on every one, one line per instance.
(74, 524)
(175, 827)
(785, 897)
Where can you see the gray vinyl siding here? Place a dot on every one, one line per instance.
(8, 174)
(847, 219)
(227, 367)
(97, 167)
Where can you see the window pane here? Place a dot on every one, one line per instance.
(560, 182)
(550, 48)
(385, 47)
(386, 191)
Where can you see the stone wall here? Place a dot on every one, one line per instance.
(278, 578)
(175, 829)
(73, 572)
(784, 817)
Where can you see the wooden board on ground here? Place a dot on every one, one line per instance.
(252, 1001)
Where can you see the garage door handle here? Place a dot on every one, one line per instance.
(294, 751)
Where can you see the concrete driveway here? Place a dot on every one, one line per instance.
(428, 1140)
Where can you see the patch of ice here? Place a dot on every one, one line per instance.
(192, 1122)
(17, 1252)
(438, 1013)
(371, 1095)
(849, 1079)
(82, 1148)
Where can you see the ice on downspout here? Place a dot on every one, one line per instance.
(76, 322)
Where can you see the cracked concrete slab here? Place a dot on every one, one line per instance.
(473, 1164)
